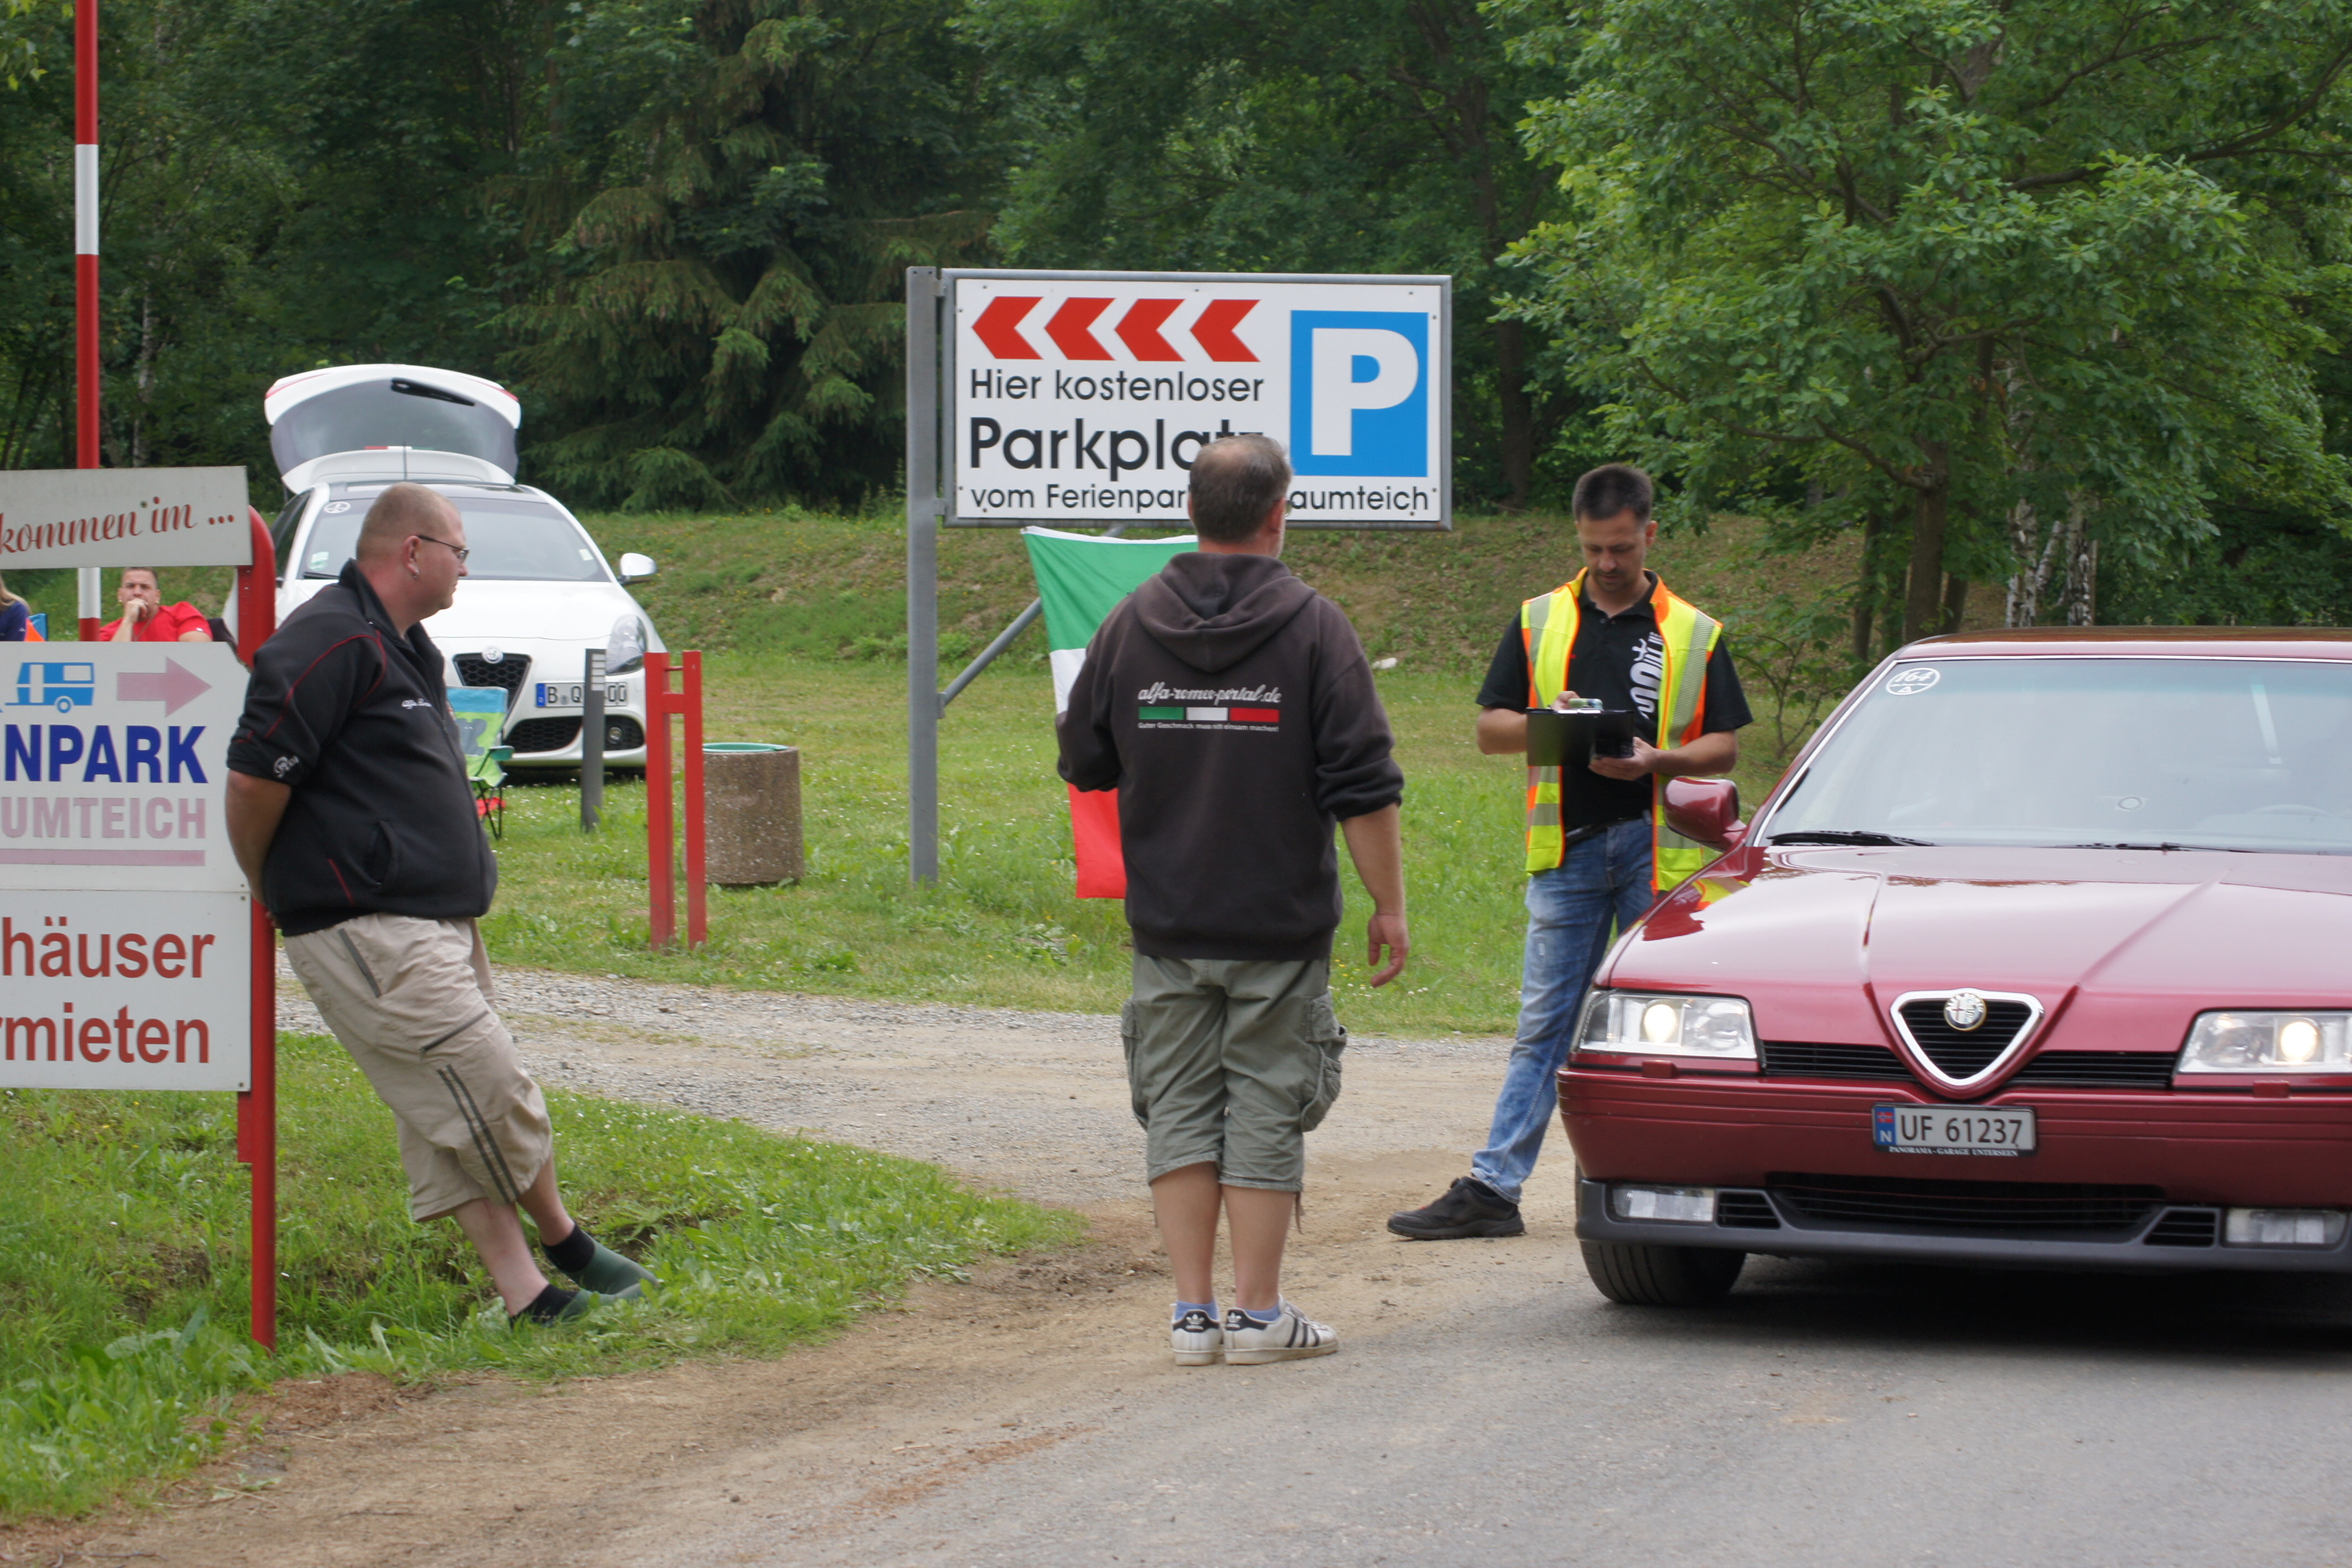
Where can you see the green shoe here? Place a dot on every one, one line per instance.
(613, 1275)
(573, 1304)
(584, 1303)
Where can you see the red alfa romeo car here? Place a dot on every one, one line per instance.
(2040, 954)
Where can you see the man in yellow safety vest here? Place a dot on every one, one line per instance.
(1598, 848)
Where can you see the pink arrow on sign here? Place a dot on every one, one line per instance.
(176, 688)
(999, 326)
(1071, 328)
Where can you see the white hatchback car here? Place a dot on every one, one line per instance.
(538, 593)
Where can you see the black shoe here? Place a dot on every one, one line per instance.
(1470, 1207)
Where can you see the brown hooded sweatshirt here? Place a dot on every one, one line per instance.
(1230, 706)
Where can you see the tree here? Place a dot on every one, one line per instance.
(1943, 258)
(1288, 135)
(726, 196)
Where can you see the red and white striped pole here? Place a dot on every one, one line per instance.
(86, 276)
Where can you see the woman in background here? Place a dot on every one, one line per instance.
(16, 615)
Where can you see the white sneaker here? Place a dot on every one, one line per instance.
(1290, 1337)
(1197, 1340)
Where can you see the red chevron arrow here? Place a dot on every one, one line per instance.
(999, 326)
(1139, 329)
(1214, 329)
(1071, 328)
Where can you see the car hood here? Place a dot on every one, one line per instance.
(519, 612)
(2122, 947)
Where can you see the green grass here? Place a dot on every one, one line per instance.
(1002, 928)
(798, 613)
(124, 1273)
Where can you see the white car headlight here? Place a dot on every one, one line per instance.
(2269, 1043)
(625, 646)
(1646, 1023)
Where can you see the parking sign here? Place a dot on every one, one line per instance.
(1084, 397)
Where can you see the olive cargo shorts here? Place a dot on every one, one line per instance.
(1230, 1062)
(410, 1000)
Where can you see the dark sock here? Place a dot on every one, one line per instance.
(546, 1306)
(574, 1253)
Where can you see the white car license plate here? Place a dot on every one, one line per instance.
(1952, 1130)
(560, 693)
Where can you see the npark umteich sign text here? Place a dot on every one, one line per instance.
(1078, 397)
(125, 930)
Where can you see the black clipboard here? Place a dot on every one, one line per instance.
(1571, 740)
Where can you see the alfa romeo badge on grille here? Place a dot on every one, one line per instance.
(493, 656)
(1964, 1010)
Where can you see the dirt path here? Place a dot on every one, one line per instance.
(808, 1452)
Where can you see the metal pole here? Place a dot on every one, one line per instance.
(257, 1108)
(661, 875)
(1004, 638)
(697, 910)
(85, 366)
(923, 509)
(592, 740)
(988, 655)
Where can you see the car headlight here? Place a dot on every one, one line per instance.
(2269, 1043)
(625, 647)
(1646, 1023)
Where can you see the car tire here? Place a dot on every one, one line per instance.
(1636, 1275)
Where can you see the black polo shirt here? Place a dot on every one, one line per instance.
(354, 718)
(1620, 659)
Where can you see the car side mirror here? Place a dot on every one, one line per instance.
(1706, 809)
(635, 567)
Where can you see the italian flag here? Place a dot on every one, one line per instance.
(1081, 578)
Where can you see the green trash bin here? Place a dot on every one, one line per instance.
(751, 814)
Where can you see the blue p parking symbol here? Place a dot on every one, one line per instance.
(1360, 392)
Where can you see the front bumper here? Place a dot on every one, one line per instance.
(1796, 1238)
(2203, 1151)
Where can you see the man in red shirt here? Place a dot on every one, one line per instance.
(147, 619)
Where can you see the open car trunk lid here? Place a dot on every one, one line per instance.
(391, 422)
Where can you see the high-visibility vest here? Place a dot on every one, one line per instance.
(1548, 625)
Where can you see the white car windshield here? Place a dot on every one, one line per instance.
(2125, 752)
(513, 539)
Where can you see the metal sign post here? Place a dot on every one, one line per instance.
(1080, 399)
(87, 369)
(592, 740)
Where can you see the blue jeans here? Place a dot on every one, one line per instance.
(1600, 886)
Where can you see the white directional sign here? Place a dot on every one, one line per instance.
(123, 516)
(1085, 396)
(125, 930)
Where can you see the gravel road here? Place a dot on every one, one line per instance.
(1486, 1408)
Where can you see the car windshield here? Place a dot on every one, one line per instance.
(2132, 752)
(513, 539)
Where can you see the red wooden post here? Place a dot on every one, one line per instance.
(660, 874)
(257, 1108)
(698, 911)
(86, 365)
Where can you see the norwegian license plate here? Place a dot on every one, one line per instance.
(562, 693)
(2004, 1133)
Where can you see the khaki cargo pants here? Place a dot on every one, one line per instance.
(410, 999)
(1231, 1061)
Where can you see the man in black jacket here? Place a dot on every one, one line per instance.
(1231, 707)
(350, 810)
